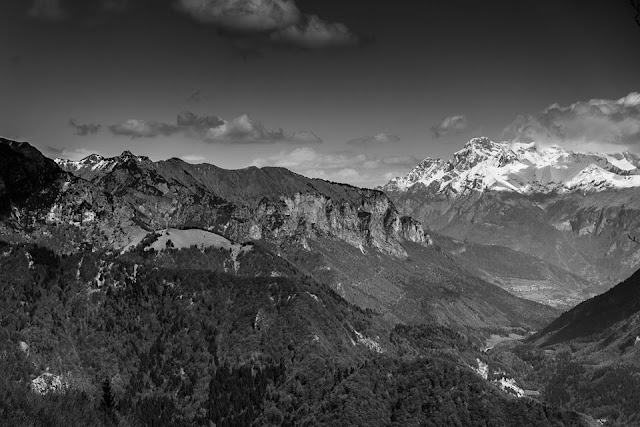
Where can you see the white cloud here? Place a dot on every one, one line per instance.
(594, 125)
(193, 158)
(242, 129)
(312, 32)
(308, 158)
(356, 169)
(243, 15)
(390, 175)
(70, 153)
(142, 129)
(450, 125)
(278, 21)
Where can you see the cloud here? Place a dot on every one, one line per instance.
(379, 139)
(390, 175)
(342, 166)
(49, 10)
(244, 130)
(193, 158)
(196, 126)
(314, 33)
(451, 125)
(594, 125)
(69, 153)
(244, 16)
(143, 129)
(309, 158)
(276, 21)
(241, 130)
(84, 129)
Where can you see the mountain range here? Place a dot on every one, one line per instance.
(569, 212)
(354, 240)
(169, 293)
(484, 165)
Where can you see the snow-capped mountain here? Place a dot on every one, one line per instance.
(89, 166)
(521, 168)
(573, 210)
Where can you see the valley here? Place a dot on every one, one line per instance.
(319, 213)
(166, 284)
(565, 215)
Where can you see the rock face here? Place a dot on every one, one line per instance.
(23, 170)
(48, 383)
(41, 202)
(99, 194)
(374, 222)
(573, 210)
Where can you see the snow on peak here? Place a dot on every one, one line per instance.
(95, 162)
(630, 100)
(523, 168)
(427, 171)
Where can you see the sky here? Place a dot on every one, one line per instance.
(355, 91)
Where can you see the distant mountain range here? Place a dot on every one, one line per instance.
(483, 165)
(351, 239)
(268, 203)
(570, 210)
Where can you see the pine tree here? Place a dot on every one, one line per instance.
(108, 402)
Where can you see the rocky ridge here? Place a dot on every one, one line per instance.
(273, 204)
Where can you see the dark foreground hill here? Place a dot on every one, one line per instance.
(100, 339)
(598, 315)
(588, 359)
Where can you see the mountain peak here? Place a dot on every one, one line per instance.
(523, 168)
(93, 157)
(429, 161)
(128, 155)
(481, 141)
